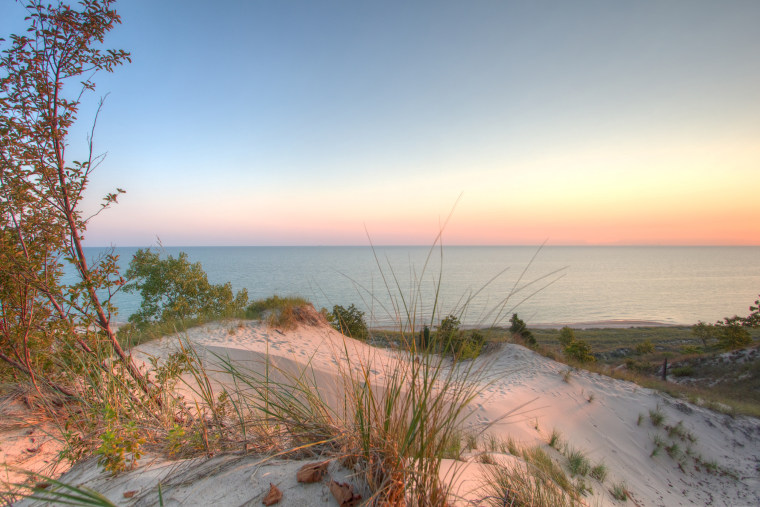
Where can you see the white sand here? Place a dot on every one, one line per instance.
(524, 396)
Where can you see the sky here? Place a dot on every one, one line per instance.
(339, 122)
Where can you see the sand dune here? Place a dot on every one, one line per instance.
(524, 396)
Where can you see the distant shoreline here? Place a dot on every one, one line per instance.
(599, 324)
(607, 324)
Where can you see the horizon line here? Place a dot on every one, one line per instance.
(394, 245)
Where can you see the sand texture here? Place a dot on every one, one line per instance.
(524, 396)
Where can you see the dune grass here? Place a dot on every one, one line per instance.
(535, 480)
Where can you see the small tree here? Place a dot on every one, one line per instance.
(45, 75)
(753, 319)
(448, 328)
(566, 335)
(731, 332)
(448, 335)
(703, 331)
(733, 336)
(520, 329)
(176, 289)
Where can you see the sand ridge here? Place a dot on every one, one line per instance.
(524, 396)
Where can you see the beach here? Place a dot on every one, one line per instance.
(522, 396)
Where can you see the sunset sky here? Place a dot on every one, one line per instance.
(303, 122)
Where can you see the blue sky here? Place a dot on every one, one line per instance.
(290, 122)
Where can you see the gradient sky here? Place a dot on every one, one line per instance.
(303, 122)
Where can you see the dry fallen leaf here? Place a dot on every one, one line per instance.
(274, 495)
(344, 494)
(313, 472)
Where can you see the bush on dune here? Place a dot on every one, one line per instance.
(520, 330)
(580, 351)
(456, 342)
(176, 289)
(282, 312)
(566, 335)
(350, 321)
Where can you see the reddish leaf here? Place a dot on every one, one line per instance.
(344, 494)
(274, 495)
(313, 472)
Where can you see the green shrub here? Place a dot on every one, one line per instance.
(733, 336)
(350, 321)
(645, 347)
(176, 289)
(518, 328)
(449, 339)
(425, 338)
(469, 345)
(566, 336)
(692, 349)
(682, 371)
(639, 366)
(274, 304)
(281, 312)
(705, 332)
(580, 351)
(120, 444)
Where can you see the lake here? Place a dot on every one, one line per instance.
(553, 285)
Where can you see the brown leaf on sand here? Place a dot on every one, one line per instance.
(313, 472)
(129, 494)
(274, 495)
(344, 494)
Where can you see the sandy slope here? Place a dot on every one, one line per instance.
(524, 396)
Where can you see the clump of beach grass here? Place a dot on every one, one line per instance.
(555, 439)
(656, 417)
(619, 491)
(577, 462)
(277, 311)
(535, 480)
(599, 472)
(678, 431)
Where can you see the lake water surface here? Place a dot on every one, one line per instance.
(553, 285)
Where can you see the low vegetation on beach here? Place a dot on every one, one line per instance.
(705, 371)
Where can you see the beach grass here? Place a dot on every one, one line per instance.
(535, 480)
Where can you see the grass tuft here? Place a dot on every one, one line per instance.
(535, 481)
(280, 312)
(656, 417)
(599, 472)
(619, 491)
(555, 439)
(578, 462)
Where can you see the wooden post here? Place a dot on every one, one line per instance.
(665, 370)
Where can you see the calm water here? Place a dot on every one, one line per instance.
(560, 285)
